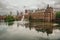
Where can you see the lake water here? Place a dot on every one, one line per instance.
(18, 30)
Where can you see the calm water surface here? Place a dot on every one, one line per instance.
(29, 31)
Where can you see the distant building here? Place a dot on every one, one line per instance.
(27, 13)
(2, 17)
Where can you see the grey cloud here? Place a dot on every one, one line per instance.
(8, 5)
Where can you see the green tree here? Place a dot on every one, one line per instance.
(9, 18)
(58, 14)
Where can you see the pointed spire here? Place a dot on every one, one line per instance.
(17, 13)
(48, 6)
(10, 12)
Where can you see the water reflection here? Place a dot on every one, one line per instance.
(41, 27)
(29, 31)
(10, 23)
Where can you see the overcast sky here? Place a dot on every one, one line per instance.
(27, 4)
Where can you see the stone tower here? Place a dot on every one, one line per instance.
(48, 15)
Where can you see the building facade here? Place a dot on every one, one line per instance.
(42, 14)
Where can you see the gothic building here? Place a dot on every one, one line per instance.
(42, 14)
(49, 14)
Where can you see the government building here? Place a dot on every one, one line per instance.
(46, 14)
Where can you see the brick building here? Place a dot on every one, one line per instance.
(2, 17)
(41, 14)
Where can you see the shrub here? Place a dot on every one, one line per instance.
(58, 14)
(9, 18)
